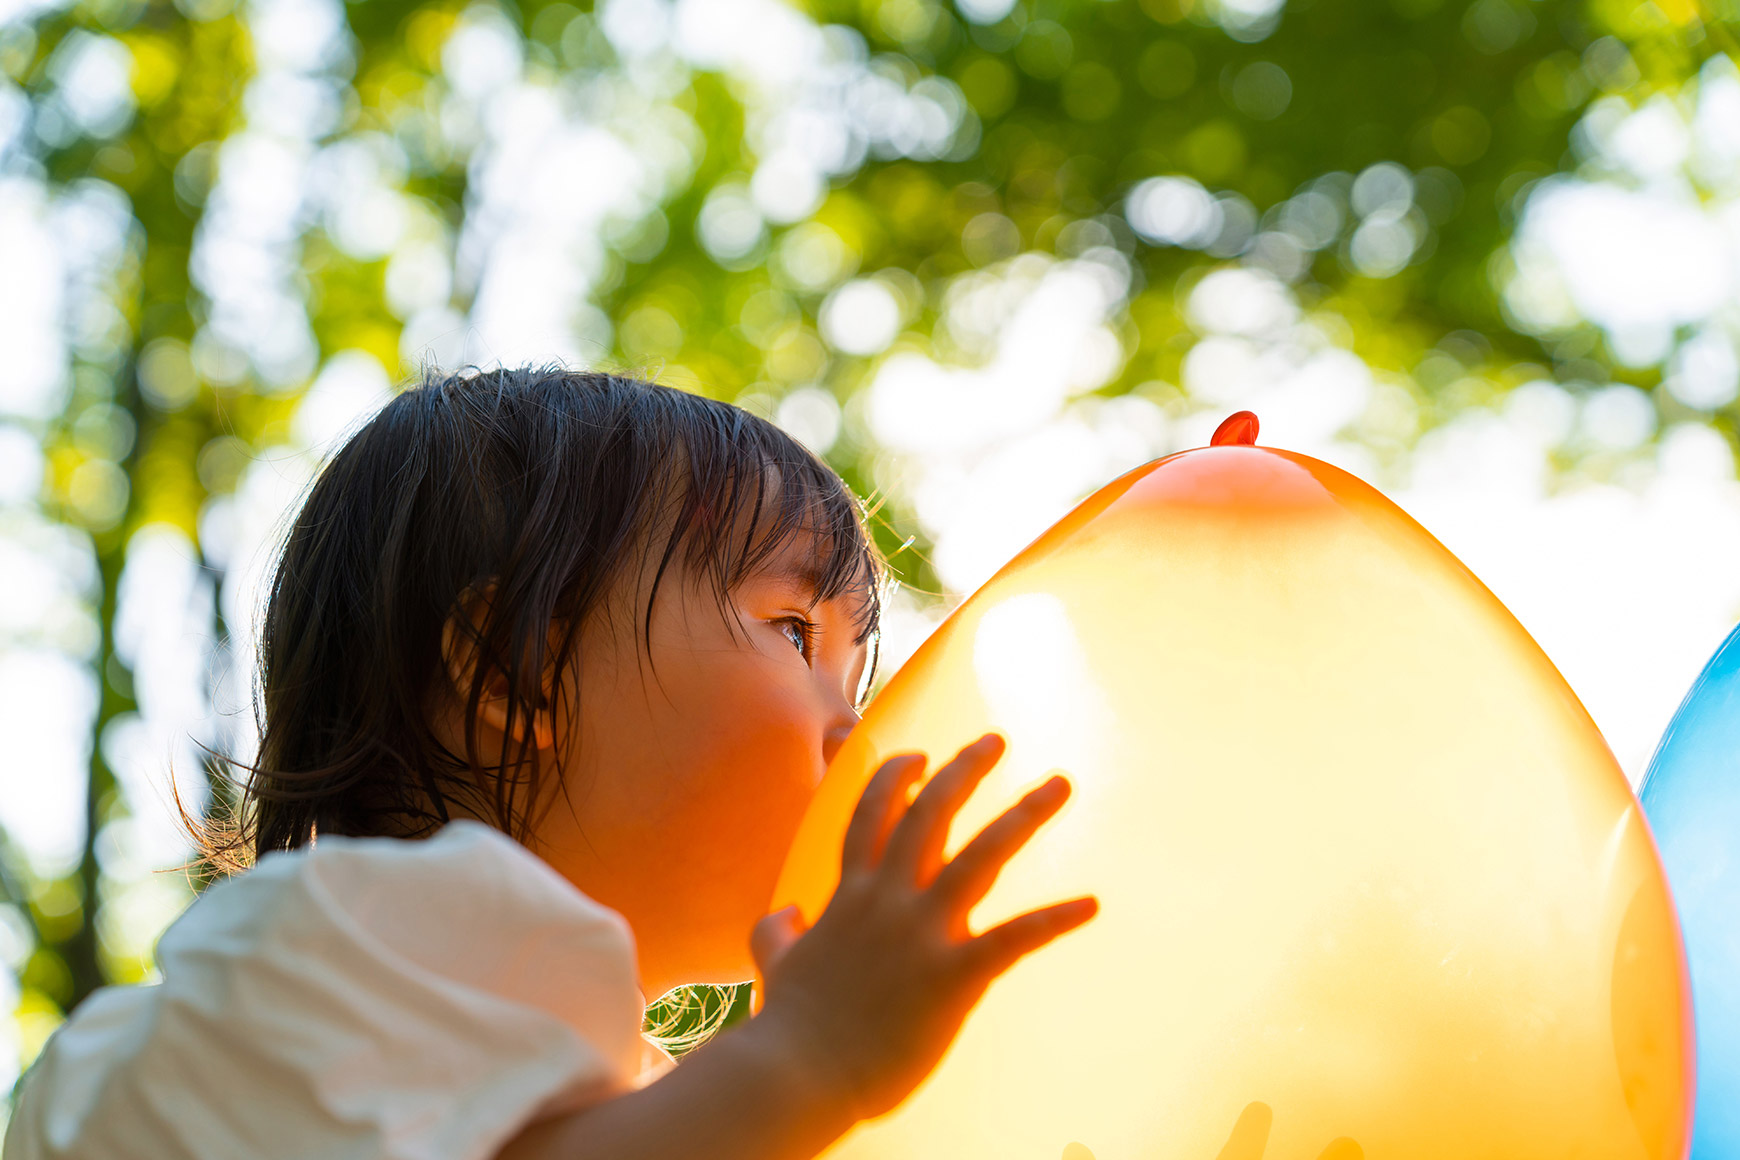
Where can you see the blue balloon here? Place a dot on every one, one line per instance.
(1691, 795)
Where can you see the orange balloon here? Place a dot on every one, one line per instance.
(1371, 883)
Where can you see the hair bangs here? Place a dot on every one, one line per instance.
(752, 490)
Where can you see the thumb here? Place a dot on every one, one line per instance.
(773, 936)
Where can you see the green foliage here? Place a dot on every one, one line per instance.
(1070, 104)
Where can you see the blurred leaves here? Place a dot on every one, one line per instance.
(241, 192)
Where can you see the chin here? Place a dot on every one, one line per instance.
(724, 967)
(726, 974)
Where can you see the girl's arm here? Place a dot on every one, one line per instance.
(859, 1008)
(745, 1096)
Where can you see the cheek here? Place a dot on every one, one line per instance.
(689, 781)
(748, 762)
(754, 738)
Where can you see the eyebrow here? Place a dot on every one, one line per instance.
(804, 576)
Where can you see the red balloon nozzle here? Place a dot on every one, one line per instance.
(1239, 430)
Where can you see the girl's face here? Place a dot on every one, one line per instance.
(687, 766)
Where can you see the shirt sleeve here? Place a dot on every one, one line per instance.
(367, 998)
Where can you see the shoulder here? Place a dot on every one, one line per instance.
(457, 893)
(467, 912)
(482, 867)
(387, 997)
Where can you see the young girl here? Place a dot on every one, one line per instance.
(551, 666)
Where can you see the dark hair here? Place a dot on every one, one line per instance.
(541, 487)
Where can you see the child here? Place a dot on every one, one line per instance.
(550, 667)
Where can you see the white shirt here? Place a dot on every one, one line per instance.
(363, 998)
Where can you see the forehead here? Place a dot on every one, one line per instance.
(780, 529)
(801, 564)
(798, 562)
(793, 532)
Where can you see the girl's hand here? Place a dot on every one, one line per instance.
(866, 1001)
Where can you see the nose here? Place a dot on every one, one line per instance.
(836, 733)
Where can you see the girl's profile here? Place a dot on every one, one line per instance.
(551, 664)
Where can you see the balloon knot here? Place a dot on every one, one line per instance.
(1239, 430)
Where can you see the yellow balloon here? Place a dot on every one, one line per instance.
(1371, 883)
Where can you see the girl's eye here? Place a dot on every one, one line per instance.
(801, 633)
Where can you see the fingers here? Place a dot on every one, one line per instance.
(916, 843)
(997, 949)
(971, 873)
(773, 936)
(873, 815)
